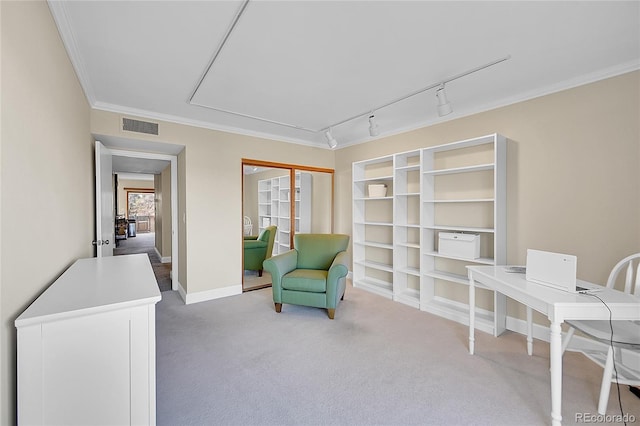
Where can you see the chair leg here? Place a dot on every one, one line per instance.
(342, 298)
(605, 388)
(278, 307)
(331, 312)
(260, 273)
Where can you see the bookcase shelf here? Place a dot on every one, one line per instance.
(454, 187)
(274, 207)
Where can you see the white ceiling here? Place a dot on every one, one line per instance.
(312, 64)
(141, 166)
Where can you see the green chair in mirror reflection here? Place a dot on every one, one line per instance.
(312, 274)
(257, 248)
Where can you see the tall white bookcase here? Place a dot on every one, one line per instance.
(274, 207)
(455, 187)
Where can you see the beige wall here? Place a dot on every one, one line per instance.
(47, 221)
(162, 184)
(210, 182)
(321, 202)
(573, 180)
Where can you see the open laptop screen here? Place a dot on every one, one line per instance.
(552, 269)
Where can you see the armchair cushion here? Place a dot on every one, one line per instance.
(309, 280)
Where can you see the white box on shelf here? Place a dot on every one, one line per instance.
(377, 190)
(457, 244)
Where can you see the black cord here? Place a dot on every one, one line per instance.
(613, 355)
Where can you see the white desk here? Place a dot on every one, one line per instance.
(86, 346)
(558, 306)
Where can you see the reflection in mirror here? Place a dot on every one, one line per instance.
(269, 200)
(321, 210)
(263, 210)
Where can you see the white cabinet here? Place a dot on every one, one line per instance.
(457, 187)
(86, 346)
(274, 207)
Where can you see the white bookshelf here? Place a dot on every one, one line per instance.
(455, 187)
(406, 228)
(373, 227)
(274, 207)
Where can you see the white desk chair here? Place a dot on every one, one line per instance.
(626, 334)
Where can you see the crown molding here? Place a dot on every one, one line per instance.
(119, 109)
(61, 19)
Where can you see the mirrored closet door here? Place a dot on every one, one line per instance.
(284, 199)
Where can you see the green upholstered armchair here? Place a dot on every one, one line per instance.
(258, 248)
(312, 274)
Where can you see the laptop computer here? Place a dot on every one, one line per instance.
(554, 270)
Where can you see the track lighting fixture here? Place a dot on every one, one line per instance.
(330, 139)
(444, 106)
(373, 126)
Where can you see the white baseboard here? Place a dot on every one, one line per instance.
(181, 292)
(520, 326)
(166, 259)
(203, 296)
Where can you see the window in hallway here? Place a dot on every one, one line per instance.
(141, 207)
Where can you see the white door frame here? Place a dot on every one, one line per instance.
(173, 159)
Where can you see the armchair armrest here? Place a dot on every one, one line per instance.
(337, 271)
(278, 266)
(254, 244)
(250, 237)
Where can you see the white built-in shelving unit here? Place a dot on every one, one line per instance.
(274, 207)
(455, 187)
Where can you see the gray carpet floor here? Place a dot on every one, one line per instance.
(234, 361)
(144, 242)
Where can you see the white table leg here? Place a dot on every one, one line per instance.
(472, 313)
(555, 339)
(529, 331)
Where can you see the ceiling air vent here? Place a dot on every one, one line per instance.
(138, 126)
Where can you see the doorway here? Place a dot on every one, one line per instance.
(129, 161)
(285, 199)
(137, 198)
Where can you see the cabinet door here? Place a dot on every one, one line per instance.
(95, 369)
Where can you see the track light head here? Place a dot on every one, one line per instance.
(373, 126)
(444, 106)
(330, 139)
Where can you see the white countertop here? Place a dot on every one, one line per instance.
(95, 285)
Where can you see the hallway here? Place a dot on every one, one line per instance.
(144, 242)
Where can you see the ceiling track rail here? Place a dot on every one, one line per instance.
(417, 92)
(323, 129)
